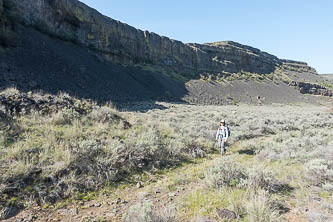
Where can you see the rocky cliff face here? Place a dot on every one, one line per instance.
(1, 12)
(232, 57)
(71, 19)
(119, 42)
(295, 66)
(1, 7)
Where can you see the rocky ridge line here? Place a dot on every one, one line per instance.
(119, 42)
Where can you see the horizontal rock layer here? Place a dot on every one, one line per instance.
(119, 42)
(310, 88)
(297, 66)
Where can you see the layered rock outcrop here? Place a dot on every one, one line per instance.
(119, 42)
(297, 66)
(232, 57)
(310, 88)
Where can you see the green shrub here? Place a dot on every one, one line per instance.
(145, 212)
(225, 172)
(65, 116)
(319, 171)
(260, 178)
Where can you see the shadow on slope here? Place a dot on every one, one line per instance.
(40, 62)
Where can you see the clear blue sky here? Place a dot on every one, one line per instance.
(291, 29)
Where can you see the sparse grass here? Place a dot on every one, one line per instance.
(145, 212)
(229, 77)
(327, 85)
(203, 202)
(226, 172)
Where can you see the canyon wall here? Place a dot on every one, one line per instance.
(121, 43)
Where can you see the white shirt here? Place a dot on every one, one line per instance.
(223, 132)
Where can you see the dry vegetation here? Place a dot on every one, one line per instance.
(57, 155)
(279, 164)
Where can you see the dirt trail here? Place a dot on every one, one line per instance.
(163, 189)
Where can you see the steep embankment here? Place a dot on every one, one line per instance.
(67, 46)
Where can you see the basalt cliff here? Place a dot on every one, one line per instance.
(126, 50)
(73, 20)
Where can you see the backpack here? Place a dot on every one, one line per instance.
(229, 133)
(228, 129)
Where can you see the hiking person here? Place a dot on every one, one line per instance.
(222, 136)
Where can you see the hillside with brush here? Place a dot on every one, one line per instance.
(69, 47)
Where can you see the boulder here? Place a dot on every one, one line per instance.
(9, 212)
(226, 214)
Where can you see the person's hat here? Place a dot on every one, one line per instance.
(222, 121)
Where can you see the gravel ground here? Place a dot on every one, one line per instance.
(247, 92)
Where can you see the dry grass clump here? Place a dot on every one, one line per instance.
(320, 172)
(260, 208)
(146, 212)
(259, 177)
(226, 172)
(247, 204)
